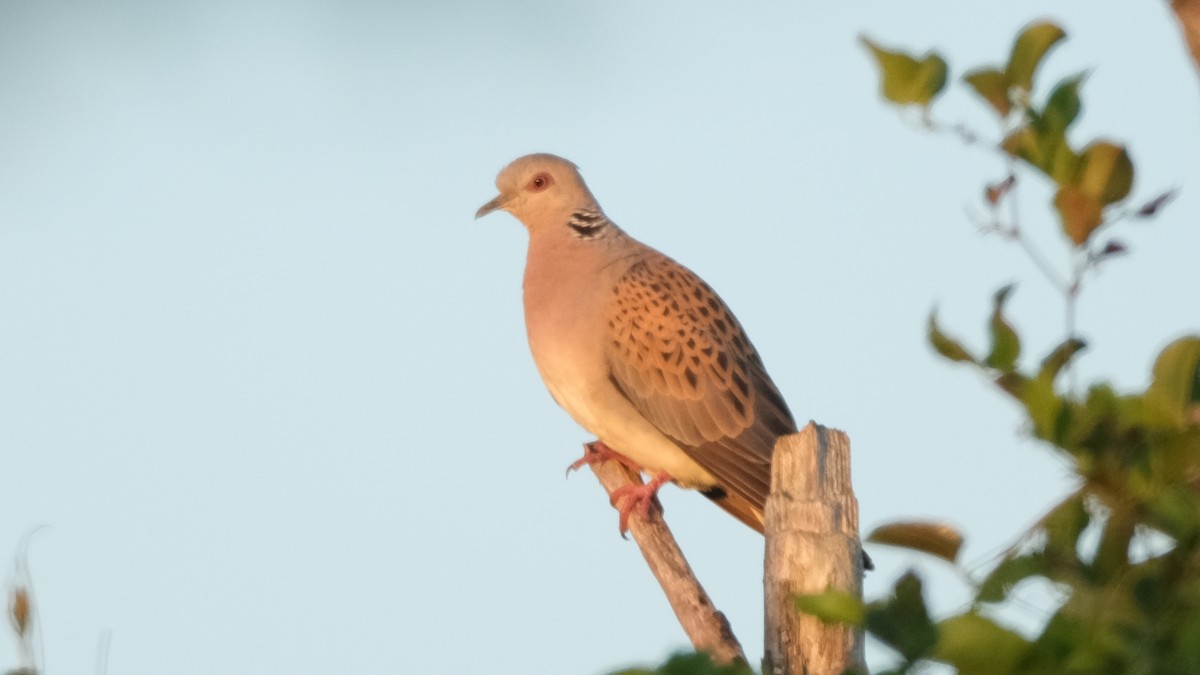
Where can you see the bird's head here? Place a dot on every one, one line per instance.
(541, 190)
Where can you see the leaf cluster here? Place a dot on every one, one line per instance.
(1132, 598)
(697, 663)
(1124, 548)
(1089, 179)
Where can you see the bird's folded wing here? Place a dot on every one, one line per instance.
(678, 354)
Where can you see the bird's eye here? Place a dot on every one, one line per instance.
(541, 182)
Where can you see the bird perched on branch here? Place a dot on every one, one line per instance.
(639, 350)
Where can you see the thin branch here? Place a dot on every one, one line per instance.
(102, 653)
(959, 130)
(1041, 262)
(1013, 232)
(707, 628)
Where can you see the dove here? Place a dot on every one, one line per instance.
(639, 350)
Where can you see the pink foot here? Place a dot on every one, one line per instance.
(597, 452)
(638, 499)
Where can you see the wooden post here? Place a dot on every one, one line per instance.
(812, 546)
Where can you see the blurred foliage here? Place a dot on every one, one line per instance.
(936, 539)
(1132, 597)
(1123, 550)
(909, 80)
(1091, 180)
(21, 608)
(691, 664)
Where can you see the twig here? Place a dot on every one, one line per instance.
(959, 130)
(707, 628)
(1040, 261)
(102, 652)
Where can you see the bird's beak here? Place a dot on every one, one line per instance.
(497, 203)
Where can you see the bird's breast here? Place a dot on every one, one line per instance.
(566, 323)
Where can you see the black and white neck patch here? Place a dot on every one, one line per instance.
(588, 224)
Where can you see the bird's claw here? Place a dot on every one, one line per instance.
(639, 498)
(597, 452)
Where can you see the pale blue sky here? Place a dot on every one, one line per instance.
(266, 380)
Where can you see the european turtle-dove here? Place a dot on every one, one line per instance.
(638, 349)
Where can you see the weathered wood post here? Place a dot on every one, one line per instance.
(812, 545)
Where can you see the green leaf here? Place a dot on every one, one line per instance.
(1063, 105)
(1023, 144)
(1059, 357)
(1101, 417)
(1006, 346)
(700, 663)
(1046, 409)
(1061, 161)
(1046, 150)
(695, 663)
(1028, 51)
(1174, 459)
(974, 644)
(1063, 526)
(1174, 391)
(1080, 212)
(902, 621)
(1048, 412)
(1011, 571)
(906, 80)
(1105, 172)
(832, 606)
(937, 539)
(992, 85)
(944, 344)
(1189, 639)
(1176, 511)
(1112, 553)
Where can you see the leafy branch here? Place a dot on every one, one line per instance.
(1091, 183)
(1124, 547)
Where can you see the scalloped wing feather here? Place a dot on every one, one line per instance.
(679, 355)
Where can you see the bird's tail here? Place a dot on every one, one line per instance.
(739, 507)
